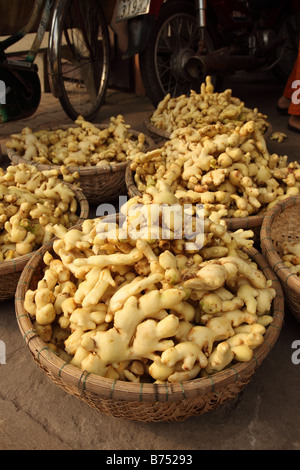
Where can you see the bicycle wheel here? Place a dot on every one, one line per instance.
(79, 57)
(174, 39)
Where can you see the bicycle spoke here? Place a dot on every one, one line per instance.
(83, 26)
(84, 57)
(78, 66)
(180, 33)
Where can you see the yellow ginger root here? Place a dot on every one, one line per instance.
(291, 256)
(204, 108)
(227, 168)
(85, 145)
(239, 347)
(32, 202)
(151, 309)
(279, 136)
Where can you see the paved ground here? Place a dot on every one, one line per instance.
(36, 414)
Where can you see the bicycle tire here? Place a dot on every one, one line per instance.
(152, 62)
(81, 90)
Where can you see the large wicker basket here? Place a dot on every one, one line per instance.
(252, 222)
(99, 184)
(144, 402)
(282, 224)
(10, 271)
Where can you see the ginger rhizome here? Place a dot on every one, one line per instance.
(203, 108)
(226, 168)
(151, 309)
(291, 256)
(82, 145)
(31, 203)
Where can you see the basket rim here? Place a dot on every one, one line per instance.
(234, 223)
(82, 170)
(155, 130)
(269, 251)
(17, 264)
(106, 388)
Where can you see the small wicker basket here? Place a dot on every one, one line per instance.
(99, 184)
(282, 224)
(144, 402)
(252, 222)
(10, 271)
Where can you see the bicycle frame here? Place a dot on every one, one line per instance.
(44, 21)
(49, 15)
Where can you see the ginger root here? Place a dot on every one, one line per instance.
(31, 203)
(224, 165)
(204, 108)
(84, 145)
(145, 309)
(291, 256)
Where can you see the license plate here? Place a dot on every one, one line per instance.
(129, 8)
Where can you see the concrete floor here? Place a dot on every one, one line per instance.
(35, 414)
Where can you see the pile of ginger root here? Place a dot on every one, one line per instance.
(31, 203)
(143, 309)
(207, 107)
(225, 168)
(82, 145)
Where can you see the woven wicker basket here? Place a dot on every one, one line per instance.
(253, 222)
(282, 224)
(10, 271)
(144, 402)
(99, 184)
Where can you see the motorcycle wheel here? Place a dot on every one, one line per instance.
(175, 37)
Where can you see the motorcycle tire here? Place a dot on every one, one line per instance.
(175, 33)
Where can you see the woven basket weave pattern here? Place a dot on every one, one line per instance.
(145, 402)
(282, 224)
